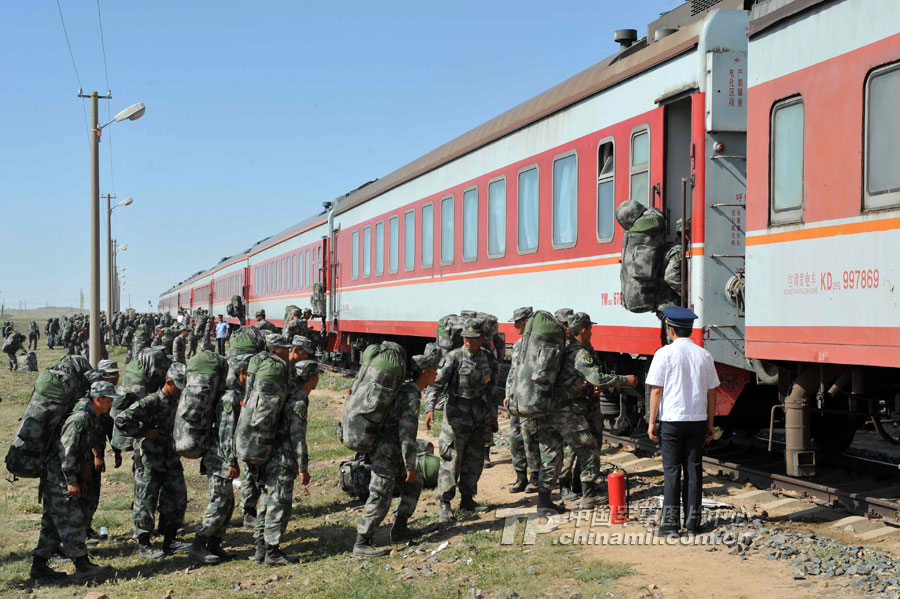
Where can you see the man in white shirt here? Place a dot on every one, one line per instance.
(683, 384)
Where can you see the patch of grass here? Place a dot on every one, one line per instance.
(333, 381)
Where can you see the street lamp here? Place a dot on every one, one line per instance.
(133, 112)
(116, 270)
(110, 274)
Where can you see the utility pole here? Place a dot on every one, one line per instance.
(109, 261)
(81, 301)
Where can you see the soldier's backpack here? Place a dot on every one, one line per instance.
(317, 299)
(56, 390)
(254, 434)
(540, 358)
(382, 368)
(144, 374)
(246, 340)
(642, 255)
(235, 308)
(28, 362)
(205, 383)
(449, 332)
(287, 313)
(11, 341)
(494, 339)
(354, 477)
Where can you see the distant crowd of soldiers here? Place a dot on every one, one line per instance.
(140, 416)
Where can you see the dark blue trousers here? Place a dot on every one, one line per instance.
(682, 454)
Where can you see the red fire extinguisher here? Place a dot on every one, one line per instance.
(617, 482)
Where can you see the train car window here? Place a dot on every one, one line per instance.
(281, 275)
(409, 240)
(565, 201)
(447, 230)
(606, 190)
(308, 273)
(786, 176)
(394, 244)
(528, 210)
(367, 251)
(355, 263)
(427, 236)
(882, 185)
(379, 248)
(640, 167)
(354, 247)
(497, 218)
(470, 224)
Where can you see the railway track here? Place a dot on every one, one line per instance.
(871, 489)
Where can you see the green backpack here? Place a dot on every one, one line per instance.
(382, 368)
(254, 435)
(205, 383)
(541, 353)
(247, 340)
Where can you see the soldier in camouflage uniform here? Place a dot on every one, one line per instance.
(139, 341)
(11, 347)
(466, 385)
(264, 325)
(577, 385)
(66, 467)
(179, 345)
(102, 431)
(158, 474)
(394, 464)
(221, 465)
(295, 325)
(34, 333)
(525, 451)
(569, 483)
(290, 458)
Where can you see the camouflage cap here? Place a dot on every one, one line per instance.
(578, 321)
(93, 376)
(303, 343)
(260, 313)
(239, 361)
(275, 340)
(306, 369)
(473, 328)
(520, 313)
(177, 372)
(422, 362)
(468, 313)
(160, 327)
(108, 365)
(104, 389)
(562, 316)
(295, 311)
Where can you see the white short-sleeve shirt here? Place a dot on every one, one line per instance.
(686, 372)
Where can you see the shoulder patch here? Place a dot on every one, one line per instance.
(585, 357)
(227, 407)
(134, 405)
(78, 426)
(441, 363)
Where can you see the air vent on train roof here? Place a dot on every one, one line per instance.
(626, 37)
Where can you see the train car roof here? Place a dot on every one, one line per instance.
(765, 15)
(603, 75)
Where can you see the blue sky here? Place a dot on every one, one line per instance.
(256, 113)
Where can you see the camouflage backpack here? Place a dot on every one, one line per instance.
(317, 299)
(246, 340)
(449, 332)
(56, 390)
(355, 476)
(540, 358)
(254, 435)
(28, 362)
(205, 383)
(382, 368)
(642, 257)
(144, 374)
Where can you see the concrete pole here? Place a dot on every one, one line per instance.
(110, 301)
(95, 234)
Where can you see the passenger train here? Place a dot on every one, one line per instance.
(770, 126)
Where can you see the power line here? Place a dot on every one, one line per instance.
(77, 76)
(112, 177)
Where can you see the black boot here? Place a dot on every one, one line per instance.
(260, 555)
(145, 549)
(363, 547)
(532, 483)
(487, 457)
(401, 531)
(520, 484)
(594, 495)
(171, 545)
(85, 570)
(468, 504)
(566, 491)
(92, 539)
(199, 552)
(445, 512)
(214, 545)
(250, 519)
(276, 557)
(545, 503)
(41, 571)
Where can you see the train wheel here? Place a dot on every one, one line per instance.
(834, 433)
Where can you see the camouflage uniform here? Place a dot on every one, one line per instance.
(12, 345)
(34, 333)
(69, 462)
(140, 340)
(266, 327)
(158, 474)
(178, 349)
(219, 457)
(276, 478)
(467, 387)
(295, 326)
(394, 454)
(524, 448)
(566, 422)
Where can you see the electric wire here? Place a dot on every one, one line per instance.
(75, 67)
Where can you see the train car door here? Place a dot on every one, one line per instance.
(677, 162)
